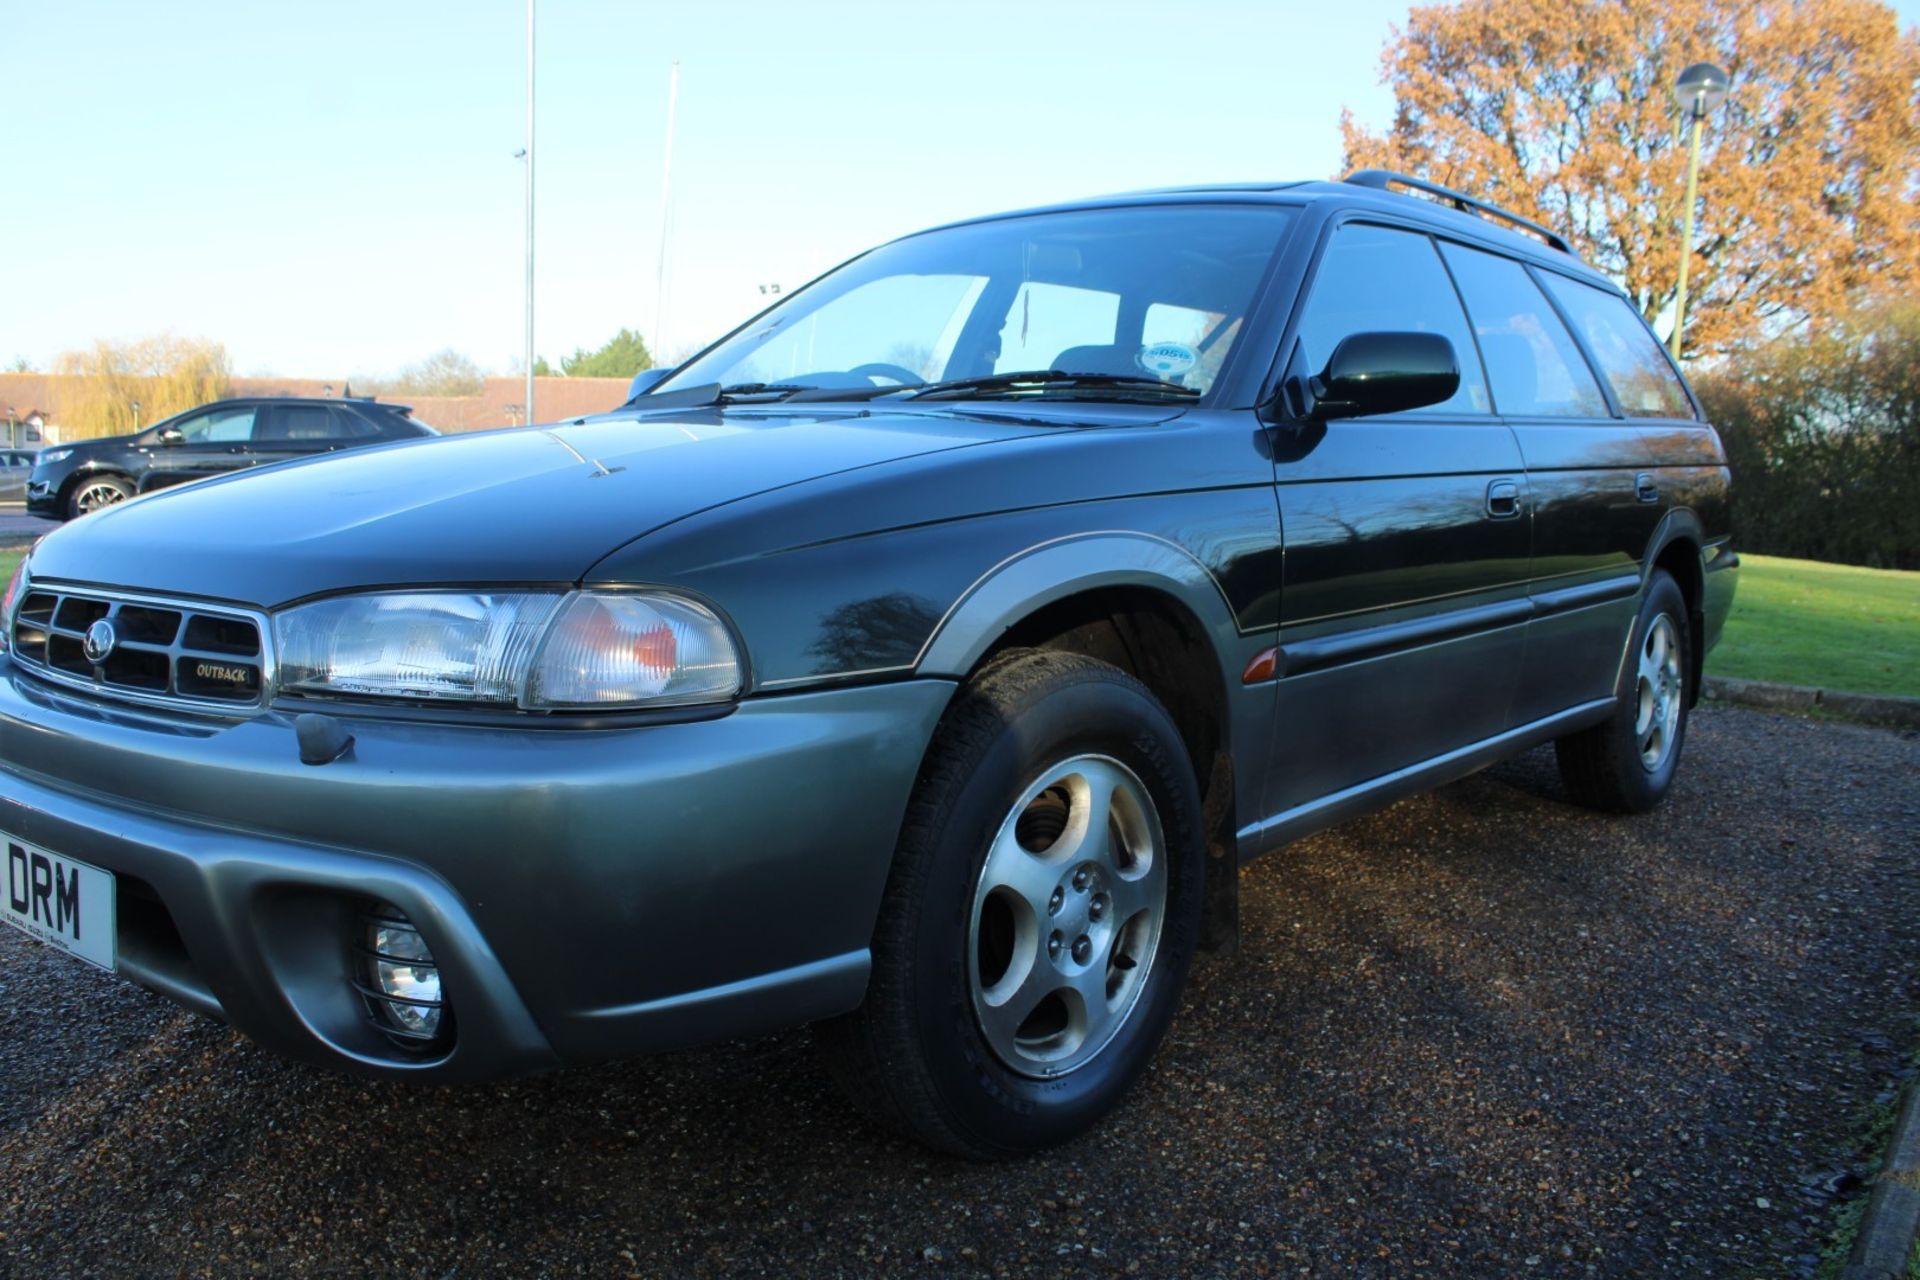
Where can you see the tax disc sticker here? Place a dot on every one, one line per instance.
(1167, 359)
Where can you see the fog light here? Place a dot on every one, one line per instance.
(399, 978)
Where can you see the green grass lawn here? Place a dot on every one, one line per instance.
(1832, 626)
(1794, 621)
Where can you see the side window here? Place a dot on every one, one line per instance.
(220, 426)
(308, 422)
(1050, 321)
(298, 422)
(350, 425)
(1629, 355)
(1535, 366)
(1376, 279)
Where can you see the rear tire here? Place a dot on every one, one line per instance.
(91, 493)
(1626, 763)
(1043, 909)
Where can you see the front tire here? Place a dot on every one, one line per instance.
(91, 493)
(1626, 763)
(1040, 918)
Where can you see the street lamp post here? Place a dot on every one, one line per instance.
(528, 354)
(658, 336)
(1698, 91)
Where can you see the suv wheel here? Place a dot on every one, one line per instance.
(1626, 763)
(1043, 908)
(95, 492)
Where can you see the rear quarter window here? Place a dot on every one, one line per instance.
(1628, 354)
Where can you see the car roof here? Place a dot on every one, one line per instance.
(356, 401)
(1365, 191)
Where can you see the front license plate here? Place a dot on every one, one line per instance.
(63, 903)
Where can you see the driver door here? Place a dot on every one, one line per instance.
(211, 442)
(1406, 543)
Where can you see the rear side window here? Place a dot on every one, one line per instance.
(1536, 369)
(353, 426)
(1628, 353)
(1376, 279)
(304, 422)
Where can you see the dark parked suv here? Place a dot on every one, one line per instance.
(922, 660)
(71, 480)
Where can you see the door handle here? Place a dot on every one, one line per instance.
(1646, 488)
(1503, 499)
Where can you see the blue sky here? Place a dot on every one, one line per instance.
(330, 189)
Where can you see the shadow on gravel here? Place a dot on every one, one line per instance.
(1483, 1033)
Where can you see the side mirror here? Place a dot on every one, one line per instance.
(171, 435)
(646, 380)
(1373, 373)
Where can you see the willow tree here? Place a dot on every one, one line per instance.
(1810, 170)
(117, 387)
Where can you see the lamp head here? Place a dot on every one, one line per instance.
(1700, 88)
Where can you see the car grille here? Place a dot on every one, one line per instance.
(164, 652)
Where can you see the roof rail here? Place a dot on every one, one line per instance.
(1387, 179)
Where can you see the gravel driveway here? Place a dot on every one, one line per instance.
(1483, 1033)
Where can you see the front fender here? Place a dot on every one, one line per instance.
(1037, 576)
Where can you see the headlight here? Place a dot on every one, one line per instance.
(52, 455)
(538, 650)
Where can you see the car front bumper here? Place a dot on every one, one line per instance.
(43, 498)
(587, 893)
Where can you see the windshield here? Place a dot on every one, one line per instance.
(1130, 297)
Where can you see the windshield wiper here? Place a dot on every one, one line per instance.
(1048, 379)
(728, 394)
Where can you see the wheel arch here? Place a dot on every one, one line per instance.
(1152, 609)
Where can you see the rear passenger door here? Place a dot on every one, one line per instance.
(1404, 594)
(288, 431)
(1587, 470)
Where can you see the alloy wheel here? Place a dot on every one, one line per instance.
(1659, 689)
(92, 497)
(1067, 915)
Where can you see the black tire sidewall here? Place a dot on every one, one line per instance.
(994, 1106)
(86, 482)
(1645, 787)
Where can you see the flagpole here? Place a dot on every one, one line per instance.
(659, 341)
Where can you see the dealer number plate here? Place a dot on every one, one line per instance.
(63, 903)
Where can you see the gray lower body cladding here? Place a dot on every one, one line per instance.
(588, 893)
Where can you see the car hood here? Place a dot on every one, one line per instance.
(95, 444)
(533, 505)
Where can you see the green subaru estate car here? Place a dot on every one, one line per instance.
(920, 661)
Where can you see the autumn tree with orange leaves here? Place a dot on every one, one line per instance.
(1810, 171)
